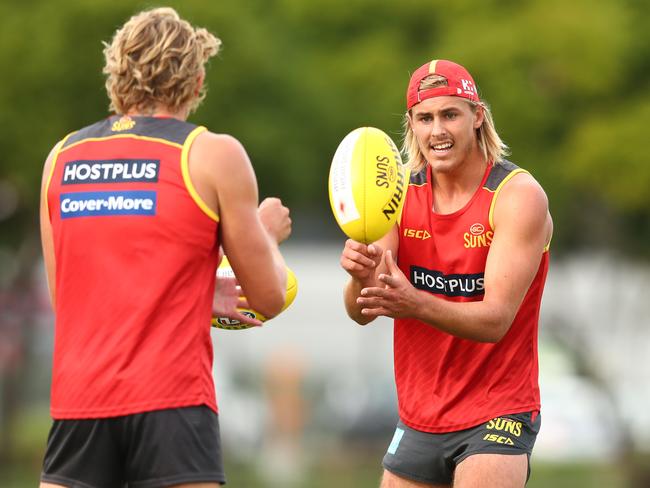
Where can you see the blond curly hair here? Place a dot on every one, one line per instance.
(492, 146)
(156, 60)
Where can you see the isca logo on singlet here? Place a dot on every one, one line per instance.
(99, 203)
(417, 233)
(452, 285)
(111, 170)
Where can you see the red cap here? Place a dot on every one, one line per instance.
(460, 82)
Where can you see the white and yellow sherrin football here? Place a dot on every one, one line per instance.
(225, 270)
(367, 184)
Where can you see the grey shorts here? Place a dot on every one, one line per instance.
(145, 450)
(432, 458)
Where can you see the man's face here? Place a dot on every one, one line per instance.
(445, 128)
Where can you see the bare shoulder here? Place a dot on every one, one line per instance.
(523, 203)
(221, 171)
(218, 146)
(49, 161)
(522, 192)
(220, 157)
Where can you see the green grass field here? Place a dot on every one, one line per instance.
(365, 474)
(354, 467)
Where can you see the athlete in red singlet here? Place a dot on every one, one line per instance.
(462, 275)
(134, 211)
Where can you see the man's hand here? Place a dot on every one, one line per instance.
(227, 298)
(275, 218)
(396, 299)
(360, 260)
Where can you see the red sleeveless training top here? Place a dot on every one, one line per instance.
(445, 383)
(136, 252)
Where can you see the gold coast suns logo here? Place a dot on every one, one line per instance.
(123, 123)
(504, 427)
(477, 236)
(504, 424)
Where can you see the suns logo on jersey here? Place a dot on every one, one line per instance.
(123, 123)
(477, 236)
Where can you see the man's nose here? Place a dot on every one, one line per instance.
(437, 127)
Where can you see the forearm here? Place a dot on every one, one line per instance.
(274, 307)
(364, 263)
(478, 321)
(350, 294)
(280, 265)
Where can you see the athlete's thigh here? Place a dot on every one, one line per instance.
(49, 485)
(420, 458)
(391, 480)
(174, 447)
(492, 471)
(82, 452)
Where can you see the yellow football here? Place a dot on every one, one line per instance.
(225, 270)
(367, 184)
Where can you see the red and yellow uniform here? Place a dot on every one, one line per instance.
(136, 251)
(445, 383)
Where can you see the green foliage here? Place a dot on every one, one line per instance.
(608, 154)
(567, 82)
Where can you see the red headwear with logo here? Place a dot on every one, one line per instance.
(459, 82)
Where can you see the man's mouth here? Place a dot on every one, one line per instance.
(442, 147)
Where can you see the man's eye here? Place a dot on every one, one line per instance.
(451, 115)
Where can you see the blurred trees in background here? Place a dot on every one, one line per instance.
(568, 84)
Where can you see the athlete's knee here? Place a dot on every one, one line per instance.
(492, 470)
(391, 480)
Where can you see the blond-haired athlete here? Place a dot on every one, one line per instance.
(134, 210)
(462, 275)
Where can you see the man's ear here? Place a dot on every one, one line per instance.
(410, 119)
(479, 116)
(199, 83)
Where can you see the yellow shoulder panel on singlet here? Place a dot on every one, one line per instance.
(547, 247)
(498, 189)
(496, 194)
(185, 169)
(57, 151)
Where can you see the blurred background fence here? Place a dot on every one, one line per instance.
(308, 399)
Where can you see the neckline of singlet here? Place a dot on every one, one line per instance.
(465, 207)
(141, 116)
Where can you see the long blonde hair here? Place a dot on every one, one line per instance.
(156, 59)
(491, 145)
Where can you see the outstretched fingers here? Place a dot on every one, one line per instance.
(375, 312)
